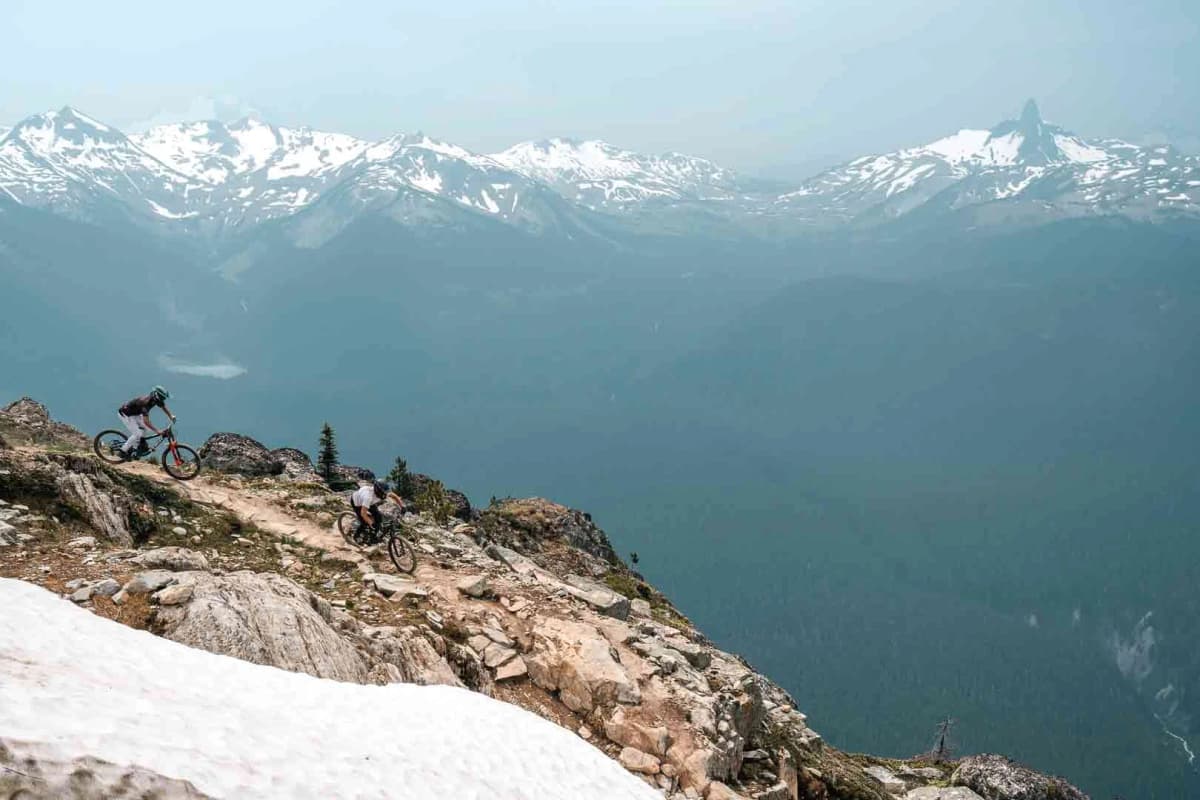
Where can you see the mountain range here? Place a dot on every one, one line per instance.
(220, 180)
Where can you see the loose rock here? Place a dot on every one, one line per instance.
(637, 761)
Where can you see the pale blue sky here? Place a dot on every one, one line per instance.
(753, 84)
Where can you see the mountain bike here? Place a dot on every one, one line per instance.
(358, 535)
(180, 461)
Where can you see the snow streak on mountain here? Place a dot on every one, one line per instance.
(1027, 161)
(211, 178)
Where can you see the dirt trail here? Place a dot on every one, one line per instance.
(259, 512)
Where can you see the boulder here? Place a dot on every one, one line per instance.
(149, 581)
(512, 670)
(496, 654)
(105, 588)
(513, 560)
(574, 659)
(8, 535)
(414, 657)
(173, 595)
(887, 778)
(598, 596)
(107, 513)
(624, 730)
(261, 618)
(945, 793)
(238, 454)
(388, 585)
(636, 761)
(175, 559)
(999, 778)
(297, 466)
(475, 586)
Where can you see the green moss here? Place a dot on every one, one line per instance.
(630, 585)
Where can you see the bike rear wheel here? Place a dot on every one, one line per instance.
(181, 462)
(107, 445)
(402, 553)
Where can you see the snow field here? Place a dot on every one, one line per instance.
(87, 686)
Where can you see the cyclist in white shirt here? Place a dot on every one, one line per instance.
(366, 502)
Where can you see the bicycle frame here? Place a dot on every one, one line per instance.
(168, 436)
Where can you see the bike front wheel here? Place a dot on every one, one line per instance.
(107, 445)
(347, 525)
(181, 462)
(402, 553)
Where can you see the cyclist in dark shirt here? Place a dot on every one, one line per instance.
(135, 415)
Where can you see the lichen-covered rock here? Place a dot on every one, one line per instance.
(33, 772)
(997, 778)
(261, 618)
(175, 559)
(297, 466)
(238, 454)
(30, 420)
(528, 526)
(106, 512)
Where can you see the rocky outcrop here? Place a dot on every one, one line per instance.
(297, 466)
(106, 512)
(575, 660)
(28, 420)
(531, 526)
(351, 476)
(238, 454)
(459, 504)
(262, 618)
(413, 656)
(997, 778)
(31, 772)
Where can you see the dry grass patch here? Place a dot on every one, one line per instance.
(134, 612)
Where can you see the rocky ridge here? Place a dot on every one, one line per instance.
(527, 603)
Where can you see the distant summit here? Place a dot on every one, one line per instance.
(215, 180)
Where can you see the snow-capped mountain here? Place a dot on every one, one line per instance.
(602, 177)
(1021, 161)
(216, 179)
(70, 162)
(214, 153)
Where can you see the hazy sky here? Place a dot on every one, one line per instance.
(750, 83)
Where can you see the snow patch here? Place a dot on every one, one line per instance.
(83, 685)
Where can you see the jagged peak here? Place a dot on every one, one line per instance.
(1030, 116)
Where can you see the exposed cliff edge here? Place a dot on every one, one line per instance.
(526, 602)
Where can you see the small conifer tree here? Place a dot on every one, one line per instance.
(327, 457)
(401, 479)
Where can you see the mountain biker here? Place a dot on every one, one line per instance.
(366, 502)
(135, 415)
